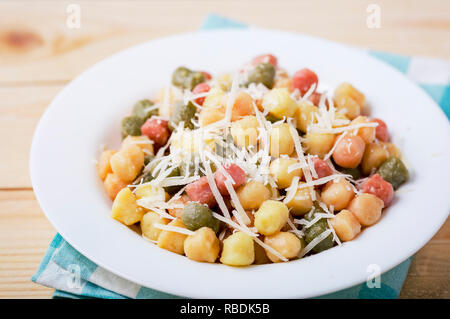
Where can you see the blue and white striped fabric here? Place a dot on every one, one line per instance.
(75, 276)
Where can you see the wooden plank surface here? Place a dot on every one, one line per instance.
(40, 47)
(24, 236)
(39, 54)
(20, 110)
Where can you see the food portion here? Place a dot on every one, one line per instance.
(253, 167)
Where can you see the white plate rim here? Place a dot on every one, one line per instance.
(184, 290)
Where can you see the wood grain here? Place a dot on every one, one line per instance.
(39, 54)
(20, 110)
(54, 52)
(24, 237)
(429, 274)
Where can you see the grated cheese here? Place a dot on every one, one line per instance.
(317, 217)
(150, 240)
(292, 189)
(323, 180)
(335, 236)
(270, 249)
(312, 167)
(314, 243)
(301, 157)
(212, 184)
(237, 204)
(222, 234)
(177, 180)
(154, 208)
(296, 231)
(174, 229)
(317, 129)
(338, 140)
(231, 98)
(234, 225)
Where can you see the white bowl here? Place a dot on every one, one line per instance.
(88, 111)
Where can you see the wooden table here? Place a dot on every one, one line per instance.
(39, 54)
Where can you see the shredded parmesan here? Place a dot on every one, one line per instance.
(337, 130)
(291, 190)
(336, 143)
(323, 180)
(174, 229)
(213, 186)
(159, 211)
(150, 240)
(270, 249)
(232, 97)
(317, 217)
(335, 236)
(237, 204)
(314, 243)
(301, 157)
(222, 234)
(234, 225)
(297, 232)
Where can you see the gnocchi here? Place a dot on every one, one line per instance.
(281, 141)
(271, 217)
(287, 244)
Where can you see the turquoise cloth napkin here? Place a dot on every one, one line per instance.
(75, 276)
